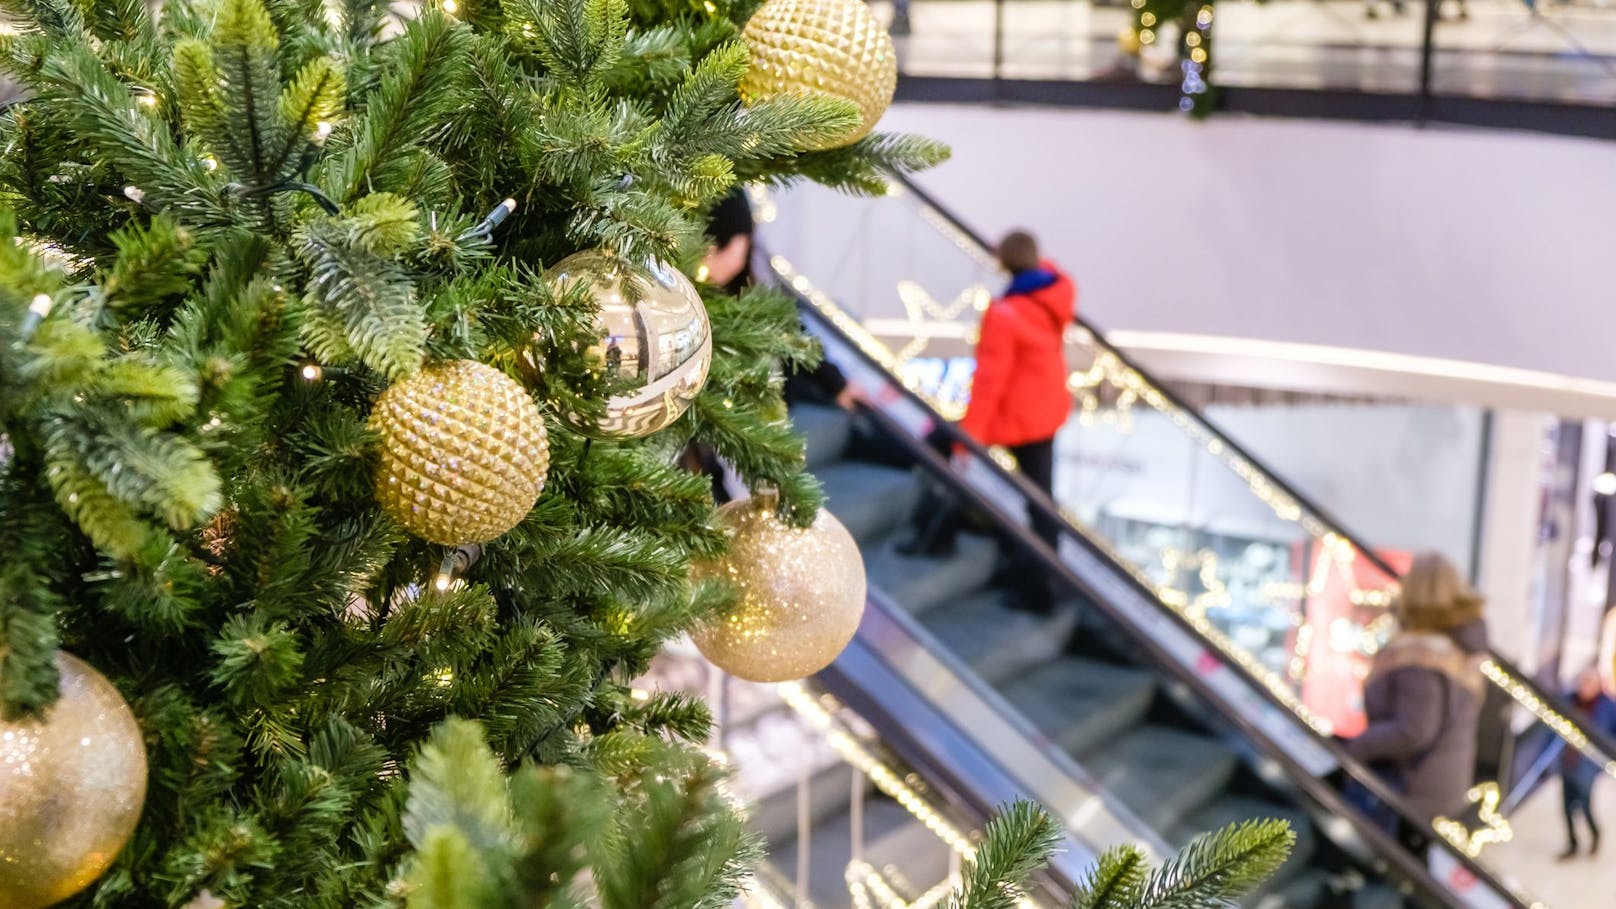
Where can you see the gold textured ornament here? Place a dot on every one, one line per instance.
(72, 783)
(652, 334)
(830, 47)
(464, 454)
(801, 594)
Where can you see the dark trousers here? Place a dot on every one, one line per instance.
(1577, 797)
(1037, 461)
(940, 518)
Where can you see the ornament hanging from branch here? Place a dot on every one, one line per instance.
(828, 47)
(801, 594)
(72, 783)
(464, 453)
(652, 335)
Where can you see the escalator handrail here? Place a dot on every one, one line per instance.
(1602, 741)
(1316, 789)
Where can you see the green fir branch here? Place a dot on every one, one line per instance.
(244, 53)
(371, 300)
(1116, 881)
(1015, 844)
(1216, 869)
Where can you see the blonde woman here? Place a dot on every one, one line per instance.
(1424, 694)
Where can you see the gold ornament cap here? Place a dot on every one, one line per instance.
(829, 47)
(72, 784)
(801, 594)
(652, 334)
(464, 452)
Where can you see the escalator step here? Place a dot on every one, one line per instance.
(870, 500)
(1079, 703)
(1160, 773)
(996, 641)
(825, 429)
(922, 583)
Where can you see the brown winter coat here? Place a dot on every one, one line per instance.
(1423, 700)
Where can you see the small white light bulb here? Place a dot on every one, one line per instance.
(1605, 484)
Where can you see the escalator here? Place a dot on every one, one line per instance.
(1137, 719)
(1141, 693)
(904, 280)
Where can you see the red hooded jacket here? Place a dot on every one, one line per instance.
(1019, 394)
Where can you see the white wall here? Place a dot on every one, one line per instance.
(1482, 246)
(1509, 535)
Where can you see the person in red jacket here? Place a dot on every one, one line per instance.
(1019, 398)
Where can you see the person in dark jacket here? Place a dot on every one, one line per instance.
(1577, 773)
(728, 265)
(1424, 694)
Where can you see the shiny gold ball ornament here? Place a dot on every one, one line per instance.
(652, 336)
(72, 783)
(830, 47)
(801, 594)
(464, 453)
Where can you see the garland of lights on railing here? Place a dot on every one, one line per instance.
(870, 888)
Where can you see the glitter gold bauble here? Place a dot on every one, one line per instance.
(463, 452)
(652, 335)
(829, 47)
(801, 594)
(72, 783)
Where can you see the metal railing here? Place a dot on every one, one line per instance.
(1433, 59)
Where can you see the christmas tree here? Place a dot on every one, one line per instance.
(324, 461)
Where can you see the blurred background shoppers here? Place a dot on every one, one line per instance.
(728, 265)
(1577, 773)
(1423, 697)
